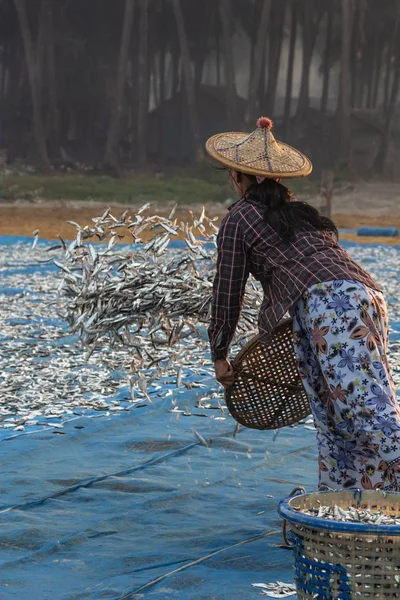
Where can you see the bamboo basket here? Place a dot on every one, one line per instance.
(336, 560)
(268, 392)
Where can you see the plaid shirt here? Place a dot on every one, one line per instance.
(246, 244)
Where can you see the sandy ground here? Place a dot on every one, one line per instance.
(374, 204)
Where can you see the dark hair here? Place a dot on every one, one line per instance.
(285, 214)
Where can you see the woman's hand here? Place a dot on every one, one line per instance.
(224, 373)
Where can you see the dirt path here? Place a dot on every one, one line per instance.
(367, 204)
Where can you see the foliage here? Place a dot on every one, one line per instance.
(198, 184)
(78, 84)
(141, 188)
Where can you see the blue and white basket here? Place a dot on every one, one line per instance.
(336, 560)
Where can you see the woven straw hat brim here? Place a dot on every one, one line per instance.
(288, 162)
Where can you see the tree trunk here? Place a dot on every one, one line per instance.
(199, 67)
(379, 162)
(41, 47)
(134, 93)
(327, 66)
(253, 43)
(111, 155)
(371, 69)
(154, 79)
(51, 80)
(175, 80)
(259, 61)
(217, 54)
(3, 72)
(163, 87)
(162, 57)
(274, 54)
(265, 57)
(4, 68)
(388, 73)
(345, 81)
(201, 51)
(230, 85)
(289, 77)
(310, 21)
(38, 127)
(389, 59)
(15, 72)
(188, 78)
(356, 44)
(143, 83)
(377, 73)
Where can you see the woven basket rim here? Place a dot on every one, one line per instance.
(305, 170)
(296, 517)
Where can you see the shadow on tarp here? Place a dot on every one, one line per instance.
(133, 506)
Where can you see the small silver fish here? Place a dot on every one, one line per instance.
(200, 438)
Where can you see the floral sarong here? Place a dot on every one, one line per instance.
(340, 333)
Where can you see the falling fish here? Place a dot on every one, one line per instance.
(200, 438)
(36, 237)
(179, 377)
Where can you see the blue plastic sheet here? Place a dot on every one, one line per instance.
(102, 511)
(133, 506)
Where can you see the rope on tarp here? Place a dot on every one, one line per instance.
(130, 595)
(88, 482)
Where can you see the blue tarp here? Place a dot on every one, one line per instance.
(133, 506)
(102, 511)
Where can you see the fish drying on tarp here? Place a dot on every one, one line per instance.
(47, 379)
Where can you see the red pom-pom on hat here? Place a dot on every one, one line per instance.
(264, 123)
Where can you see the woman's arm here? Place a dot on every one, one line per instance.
(229, 285)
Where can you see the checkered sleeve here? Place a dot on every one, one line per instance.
(229, 286)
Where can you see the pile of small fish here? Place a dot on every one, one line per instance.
(276, 590)
(118, 291)
(353, 514)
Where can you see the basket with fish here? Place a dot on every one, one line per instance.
(268, 392)
(346, 544)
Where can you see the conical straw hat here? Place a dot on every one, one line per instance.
(258, 153)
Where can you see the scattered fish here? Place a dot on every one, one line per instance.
(276, 590)
(200, 438)
(69, 334)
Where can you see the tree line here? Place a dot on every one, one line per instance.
(101, 73)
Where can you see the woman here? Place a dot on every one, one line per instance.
(340, 323)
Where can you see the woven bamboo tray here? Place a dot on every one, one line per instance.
(268, 392)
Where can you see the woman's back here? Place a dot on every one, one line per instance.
(284, 268)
